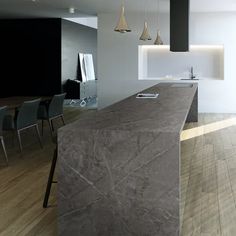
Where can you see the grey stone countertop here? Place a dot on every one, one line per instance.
(166, 113)
(119, 168)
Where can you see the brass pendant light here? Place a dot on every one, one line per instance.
(145, 35)
(158, 40)
(122, 25)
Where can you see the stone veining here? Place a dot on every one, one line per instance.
(119, 170)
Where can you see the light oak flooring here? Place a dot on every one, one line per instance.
(23, 183)
(208, 176)
(208, 180)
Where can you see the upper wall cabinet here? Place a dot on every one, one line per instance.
(202, 61)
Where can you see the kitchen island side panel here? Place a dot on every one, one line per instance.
(118, 183)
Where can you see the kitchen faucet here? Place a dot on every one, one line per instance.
(192, 76)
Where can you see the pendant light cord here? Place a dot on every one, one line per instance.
(157, 12)
(146, 6)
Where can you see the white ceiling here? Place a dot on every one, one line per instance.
(59, 8)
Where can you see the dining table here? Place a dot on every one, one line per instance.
(14, 102)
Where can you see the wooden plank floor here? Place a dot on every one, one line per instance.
(208, 180)
(23, 183)
(208, 176)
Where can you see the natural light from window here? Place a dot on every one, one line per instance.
(205, 129)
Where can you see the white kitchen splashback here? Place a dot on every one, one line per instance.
(159, 63)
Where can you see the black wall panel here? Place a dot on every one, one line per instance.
(30, 58)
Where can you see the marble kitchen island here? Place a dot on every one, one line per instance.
(119, 169)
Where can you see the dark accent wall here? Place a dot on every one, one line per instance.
(179, 25)
(30, 58)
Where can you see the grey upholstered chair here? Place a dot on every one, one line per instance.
(52, 110)
(2, 116)
(25, 117)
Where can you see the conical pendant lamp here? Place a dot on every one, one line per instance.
(122, 25)
(145, 35)
(158, 40)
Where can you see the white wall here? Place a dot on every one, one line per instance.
(87, 21)
(118, 57)
(76, 39)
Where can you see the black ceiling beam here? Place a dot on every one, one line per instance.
(179, 25)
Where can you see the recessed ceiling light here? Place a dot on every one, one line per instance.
(72, 10)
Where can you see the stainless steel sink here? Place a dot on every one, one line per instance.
(182, 85)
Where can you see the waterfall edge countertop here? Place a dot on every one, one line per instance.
(119, 169)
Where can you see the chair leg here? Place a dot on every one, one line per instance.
(39, 138)
(13, 137)
(4, 149)
(50, 126)
(63, 121)
(50, 179)
(19, 140)
(42, 127)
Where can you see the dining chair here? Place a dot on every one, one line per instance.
(52, 110)
(25, 118)
(2, 116)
